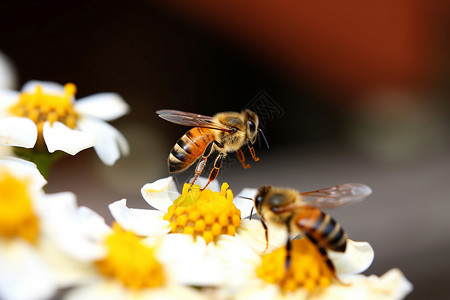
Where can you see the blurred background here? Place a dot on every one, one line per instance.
(347, 92)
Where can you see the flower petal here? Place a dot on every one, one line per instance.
(238, 258)
(24, 170)
(189, 263)
(23, 274)
(7, 99)
(67, 270)
(391, 286)
(110, 142)
(394, 283)
(358, 256)
(18, 131)
(8, 74)
(104, 106)
(253, 233)
(244, 204)
(160, 194)
(58, 136)
(61, 223)
(98, 289)
(145, 222)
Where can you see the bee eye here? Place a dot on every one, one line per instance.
(252, 126)
(258, 200)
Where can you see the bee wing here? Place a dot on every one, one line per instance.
(338, 195)
(191, 119)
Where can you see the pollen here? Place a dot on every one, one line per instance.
(130, 261)
(204, 213)
(41, 107)
(307, 269)
(17, 216)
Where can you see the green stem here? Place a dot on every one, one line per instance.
(43, 160)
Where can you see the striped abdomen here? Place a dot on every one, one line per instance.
(321, 229)
(189, 148)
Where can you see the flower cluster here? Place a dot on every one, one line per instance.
(193, 244)
(45, 116)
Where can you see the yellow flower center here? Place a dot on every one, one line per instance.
(130, 261)
(204, 213)
(17, 217)
(40, 107)
(307, 267)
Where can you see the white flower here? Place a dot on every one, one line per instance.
(45, 112)
(220, 242)
(306, 282)
(25, 272)
(112, 263)
(8, 76)
(161, 195)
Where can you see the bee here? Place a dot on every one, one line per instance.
(288, 207)
(224, 132)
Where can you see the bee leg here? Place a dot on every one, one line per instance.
(252, 150)
(215, 170)
(202, 162)
(287, 262)
(241, 157)
(266, 234)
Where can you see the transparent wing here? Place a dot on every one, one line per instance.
(191, 119)
(338, 195)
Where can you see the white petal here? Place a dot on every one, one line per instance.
(62, 224)
(110, 142)
(358, 256)
(105, 106)
(144, 222)
(260, 292)
(17, 131)
(390, 286)
(23, 274)
(8, 74)
(24, 170)
(188, 262)
(58, 136)
(174, 292)
(393, 282)
(98, 290)
(239, 260)
(47, 87)
(94, 226)
(123, 143)
(245, 205)
(253, 233)
(161, 193)
(7, 99)
(67, 270)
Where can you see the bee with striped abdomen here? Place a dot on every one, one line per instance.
(224, 132)
(288, 207)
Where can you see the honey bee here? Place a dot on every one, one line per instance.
(224, 132)
(288, 207)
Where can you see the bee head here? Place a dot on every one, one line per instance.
(259, 198)
(252, 125)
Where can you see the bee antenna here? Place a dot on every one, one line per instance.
(264, 137)
(251, 212)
